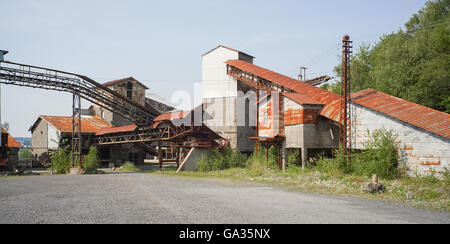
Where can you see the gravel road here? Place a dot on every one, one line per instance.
(150, 198)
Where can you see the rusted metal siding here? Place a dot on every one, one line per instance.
(295, 113)
(271, 117)
(421, 151)
(328, 98)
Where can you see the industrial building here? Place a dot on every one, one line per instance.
(244, 105)
(9, 150)
(49, 132)
(292, 114)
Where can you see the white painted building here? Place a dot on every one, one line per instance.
(423, 133)
(220, 93)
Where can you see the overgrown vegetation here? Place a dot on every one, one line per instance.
(128, 166)
(61, 161)
(337, 176)
(380, 157)
(413, 64)
(221, 159)
(91, 161)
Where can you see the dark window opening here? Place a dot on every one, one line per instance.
(130, 90)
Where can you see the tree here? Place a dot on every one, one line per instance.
(413, 64)
(91, 162)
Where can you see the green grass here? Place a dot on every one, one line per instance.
(426, 193)
(338, 176)
(128, 167)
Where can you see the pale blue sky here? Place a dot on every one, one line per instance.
(160, 42)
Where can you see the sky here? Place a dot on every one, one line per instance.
(160, 42)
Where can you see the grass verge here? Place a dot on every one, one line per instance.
(421, 192)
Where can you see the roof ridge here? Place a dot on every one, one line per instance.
(123, 79)
(229, 48)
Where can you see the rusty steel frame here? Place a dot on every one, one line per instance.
(345, 102)
(81, 87)
(255, 81)
(164, 133)
(319, 80)
(88, 89)
(76, 130)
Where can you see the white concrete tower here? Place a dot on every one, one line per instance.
(220, 93)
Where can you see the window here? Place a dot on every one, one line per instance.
(130, 90)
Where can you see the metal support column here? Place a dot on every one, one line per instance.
(160, 155)
(345, 113)
(76, 130)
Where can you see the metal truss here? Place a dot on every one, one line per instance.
(86, 88)
(76, 130)
(183, 136)
(319, 80)
(255, 81)
(81, 87)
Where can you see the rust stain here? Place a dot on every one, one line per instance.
(430, 163)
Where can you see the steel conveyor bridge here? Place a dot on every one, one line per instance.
(184, 136)
(81, 87)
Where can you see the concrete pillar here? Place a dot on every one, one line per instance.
(304, 157)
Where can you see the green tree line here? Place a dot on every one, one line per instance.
(412, 64)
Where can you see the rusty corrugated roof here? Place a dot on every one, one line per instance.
(172, 116)
(329, 99)
(89, 124)
(301, 98)
(117, 129)
(182, 114)
(417, 115)
(414, 114)
(11, 141)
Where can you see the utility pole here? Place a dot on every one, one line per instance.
(2, 54)
(302, 75)
(345, 107)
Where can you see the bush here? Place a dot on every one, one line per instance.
(379, 157)
(128, 166)
(25, 153)
(328, 166)
(221, 160)
(91, 161)
(293, 159)
(62, 161)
